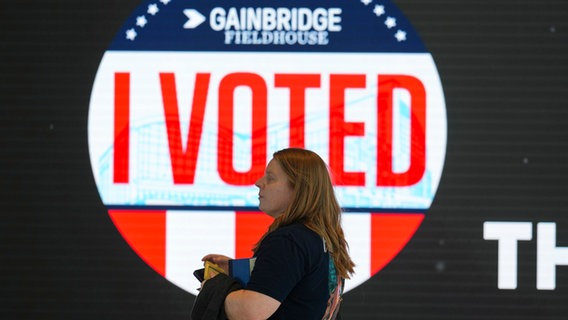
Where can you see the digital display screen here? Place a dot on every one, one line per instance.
(134, 131)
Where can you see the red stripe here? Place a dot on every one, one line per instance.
(121, 127)
(250, 226)
(145, 232)
(389, 234)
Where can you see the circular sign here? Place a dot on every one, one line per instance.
(192, 98)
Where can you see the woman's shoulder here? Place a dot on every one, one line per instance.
(298, 233)
(295, 228)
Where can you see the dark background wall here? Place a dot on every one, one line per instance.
(503, 66)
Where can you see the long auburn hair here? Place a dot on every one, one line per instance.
(314, 204)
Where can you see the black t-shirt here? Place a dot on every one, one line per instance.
(292, 267)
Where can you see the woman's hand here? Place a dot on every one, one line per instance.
(218, 259)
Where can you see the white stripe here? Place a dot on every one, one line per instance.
(190, 235)
(357, 229)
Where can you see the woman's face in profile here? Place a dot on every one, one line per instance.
(275, 192)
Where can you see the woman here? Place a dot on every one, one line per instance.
(304, 249)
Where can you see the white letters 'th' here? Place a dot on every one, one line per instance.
(548, 254)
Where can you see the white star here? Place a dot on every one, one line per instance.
(141, 21)
(390, 22)
(131, 34)
(153, 9)
(165, 2)
(366, 2)
(379, 10)
(400, 35)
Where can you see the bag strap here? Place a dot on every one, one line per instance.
(335, 295)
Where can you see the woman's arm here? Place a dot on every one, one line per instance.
(249, 305)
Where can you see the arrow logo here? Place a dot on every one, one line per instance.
(194, 18)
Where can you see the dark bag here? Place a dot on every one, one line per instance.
(210, 302)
